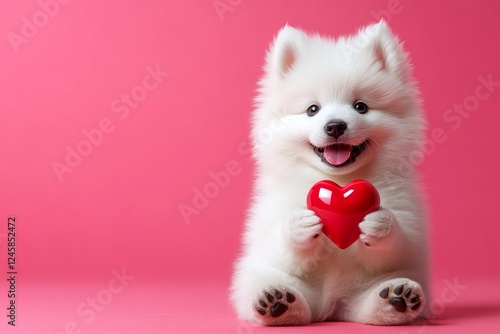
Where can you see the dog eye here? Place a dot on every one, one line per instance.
(312, 110)
(360, 107)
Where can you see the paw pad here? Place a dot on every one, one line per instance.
(274, 302)
(402, 297)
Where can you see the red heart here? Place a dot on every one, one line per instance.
(341, 209)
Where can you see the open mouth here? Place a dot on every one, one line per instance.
(340, 155)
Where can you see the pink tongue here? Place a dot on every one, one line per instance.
(337, 154)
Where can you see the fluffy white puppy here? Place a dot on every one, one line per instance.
(338, 109)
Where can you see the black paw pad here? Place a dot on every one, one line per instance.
(384, 293)
(261, 311)
(399, 290)
(289, 297)
(277, 303)
(277, 309)
(400, 298)
(398, 303)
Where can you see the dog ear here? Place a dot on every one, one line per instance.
(385, 46)
(285, 51)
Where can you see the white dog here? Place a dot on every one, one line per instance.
(339, 109)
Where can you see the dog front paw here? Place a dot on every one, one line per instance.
(302, 227)
(376, 227)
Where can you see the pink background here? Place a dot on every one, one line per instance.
(119, 207)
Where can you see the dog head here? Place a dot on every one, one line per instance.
(336, 105)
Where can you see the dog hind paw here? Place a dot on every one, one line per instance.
(275, 303)
(404, 297)
(281, 307)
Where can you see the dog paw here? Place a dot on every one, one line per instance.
(274, 303)
(404, 297)
(302, 227)
(376, 226)
(396, 301)
(281, 307)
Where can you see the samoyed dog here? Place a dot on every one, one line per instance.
(338, 109)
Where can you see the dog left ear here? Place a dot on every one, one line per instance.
(386, 48)
(285, 50)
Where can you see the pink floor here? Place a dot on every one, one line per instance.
(202, 308)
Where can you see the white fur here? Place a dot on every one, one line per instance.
(281, 247)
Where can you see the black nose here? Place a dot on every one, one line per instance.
(335, 128)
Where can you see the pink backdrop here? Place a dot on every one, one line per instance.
(124, 129)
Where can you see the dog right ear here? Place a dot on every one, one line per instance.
(285, 51)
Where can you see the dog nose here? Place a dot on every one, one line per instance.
(335, 128)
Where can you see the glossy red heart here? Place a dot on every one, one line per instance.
(341, 209)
